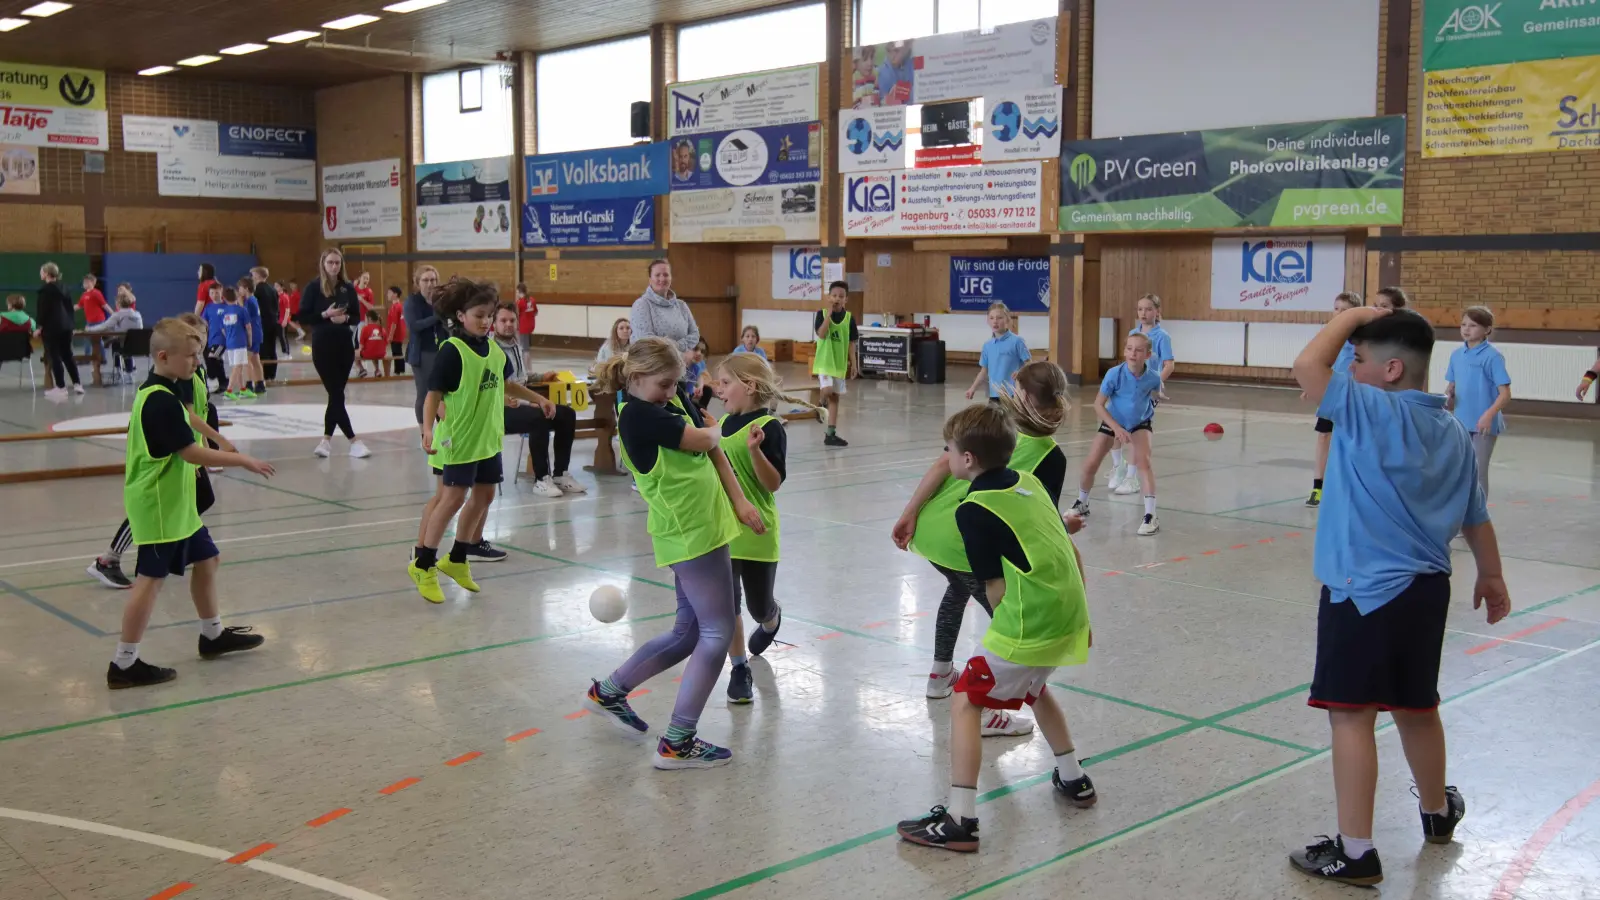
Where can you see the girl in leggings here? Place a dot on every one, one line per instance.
(696, 506)
(328, 308)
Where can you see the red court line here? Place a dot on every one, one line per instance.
(1179, 559)
(252, 853)
(874, 624)
(464, 758)
(1211, 553)
(1531, 629)
(679, 679)
(325, 818)
(1264, 541)
(1113, 572)
(576, 715)
(1292, 534)
(399, 786)
(916, 615)
(638, 692)
(830, 635)
(173, 891)
(521, 735)
(1238, 546)
(1528, 856)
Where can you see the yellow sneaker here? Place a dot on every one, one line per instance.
(460, 573)
(427, 582)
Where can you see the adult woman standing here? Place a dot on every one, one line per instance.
(659, 313)
(55, 330)
(328, 308)
(202, 297)
(426, 332)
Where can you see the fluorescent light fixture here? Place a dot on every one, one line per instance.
(293, 37)
(241, 49)
(201, 60)
(349, 22)
(157, 70)
(12, 24)
(406, 6)
(46, 9)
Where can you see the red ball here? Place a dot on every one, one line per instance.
(1213, 432)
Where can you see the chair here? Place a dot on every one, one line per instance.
(17, 347)
(135, 344)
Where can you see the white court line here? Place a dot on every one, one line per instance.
(281, 871)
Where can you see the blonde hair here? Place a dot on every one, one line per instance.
(644, 358)
(1000, 306)
(50, 270)
(764, 384)
(616, 343)
(1037, 402)
(260, 272)
(171, 335)
(416, 277)
(1154, 301)
(1136, 336)
(196, 325)
(1350, 297)
(330, 286)
(984, 431)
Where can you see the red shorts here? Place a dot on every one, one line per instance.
(995, 683)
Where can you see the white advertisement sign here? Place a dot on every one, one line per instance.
(465, 205)
(1277, 273)
(872, 138)
(796, 272)
(362, 200)
(19, 170)
(235, 177)
(999, 198)
(159, 134)
(775, 97)
(778, 212)
(55, 126)
(956, 66)
(1022, 125)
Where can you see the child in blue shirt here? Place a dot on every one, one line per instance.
(213, 312)
(1125, 406)
(750, 342)
(1124, 478)
(1477, 386)
(1002, 355)
(1324, 428)
(1401, 482)
(236, 339)
(254, 378)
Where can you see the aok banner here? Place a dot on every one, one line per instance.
(1340, 172)
(1525, 107)
(48, 106)
(1457, 34)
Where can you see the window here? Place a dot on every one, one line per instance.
(772, 40)
(466, 114)
(585, 96)
(897, 20)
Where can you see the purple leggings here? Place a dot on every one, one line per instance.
(701, 633)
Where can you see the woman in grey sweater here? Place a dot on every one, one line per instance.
(659, 313)
(426, 331)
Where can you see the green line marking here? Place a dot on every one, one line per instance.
(1554, 600)
(591, 566)
(262, 483)
(1260, 505)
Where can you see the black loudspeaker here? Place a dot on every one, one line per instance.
(640, 120)
(930, 362)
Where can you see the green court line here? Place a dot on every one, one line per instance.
(1554, 600)
(1260, 505)
(591, 566)
(261, 483)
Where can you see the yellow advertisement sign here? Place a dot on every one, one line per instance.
(26, 85)
(1523, 107)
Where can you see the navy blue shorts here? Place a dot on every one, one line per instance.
(484, 471)
(175, 557)
(1388, 658)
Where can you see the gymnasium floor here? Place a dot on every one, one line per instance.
(378, 746)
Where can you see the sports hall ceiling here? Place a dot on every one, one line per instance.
(129, 35)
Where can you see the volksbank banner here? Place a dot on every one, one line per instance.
(1340, 172)
(636, 171)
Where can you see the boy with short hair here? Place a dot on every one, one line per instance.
(1401, 482)
(236, 341)
(16, 317)
(125, 319)
(836, 360)
(1018, 547)
(159, 492)
(1002, 355)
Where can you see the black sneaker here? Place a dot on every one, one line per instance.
(1080, 508)
(1326, 859)
(1440, 829)
(940, 829)
(1080, 791)
(140, 674)
(110, 575)
(485, 551)
(232, 639)
(740, 685)
(260, 388)
(763, 638)
(833, 440)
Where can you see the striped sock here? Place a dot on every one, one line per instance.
(678, 735)
(609, 688)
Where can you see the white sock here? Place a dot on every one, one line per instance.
(211, 628)
(1441, 811)
(126, 654)
(1355, 848)
(1083, 496)
(942, 668)
(1150, 506)
(111, 558)
(739, 660)
(1069, 767)
(1116, 457)
(963, 802)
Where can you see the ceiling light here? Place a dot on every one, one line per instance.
(157, 70)
(12, 24)
(406, 6)
(241, 49)
(293, 37)
(201, 60)
(47, 8)
(348, 22)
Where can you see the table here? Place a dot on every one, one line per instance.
(96, 349)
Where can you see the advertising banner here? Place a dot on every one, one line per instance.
(1339, 172)
(796, 273)
(1004, 198)
(755, 213)
(1457, 34)
(160, 134)
(19, 170)
(775, 97)
(465, 205)
(771, 154)
(1021, 283)
(872, 139)
(235, 177)
(609, 174)
(590, 223)
(1022, 125)
(1526, 107)
(266, 141)
(362, 200)
(1281, 273)
(956, 66)
(50, 106)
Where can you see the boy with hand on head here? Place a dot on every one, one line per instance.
(1401, 483)
(1018, 547)
(159, 492)
(836, 361)
(1002, 355)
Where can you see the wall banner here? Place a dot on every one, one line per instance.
(1525, 107)
(19, 170)
(1023, 125)
(362, 200)
(956, 66)
(1461, 33)
(771, 154)
(1277, 273)
(1003, 198)
(160, 134)
(615, 172)
(872, 139)
(1021, 283)
(49, 106)
(796, 273)
(620, 221)
(465, 205)
(756, 213)
(266, 141)
(235, 177)
(775, 97)
(1338, 172)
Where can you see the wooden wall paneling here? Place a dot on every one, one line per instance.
(718, 323)
(577, 275)
(701, 271)
(41, 228)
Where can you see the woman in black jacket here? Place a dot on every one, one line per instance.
(426, 331)
(55, 330)
(329, 309)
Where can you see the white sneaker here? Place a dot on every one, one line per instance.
(55, 394)
(215, 470)
(358, 450)
(1150, 525)
(544, 487)
(941, 686)
(633, 486)
(1128, 485)
(567, 485)
(1118, 473)
(1003, 723)
(78, 389)
(324, 449)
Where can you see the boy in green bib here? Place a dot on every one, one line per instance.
(1018, 547)
(836, 360)
(158, 490)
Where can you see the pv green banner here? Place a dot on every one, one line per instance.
(1300, 175)
(1457, 33)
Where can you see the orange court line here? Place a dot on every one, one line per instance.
(521, 735)
(1292, 534)
(1113, 572)
(1531, 629)
(576, 715)
(250, 854)
(1264, 541)
(1528, 856)
(399, 786)
(1179, 559)
(464, 758)
(173, 891)
(916, 615)
(830, 635)
(874, 624)
(638, 692)
(1211, 553)
(1238, 546)
(677, 680)
(325, 818)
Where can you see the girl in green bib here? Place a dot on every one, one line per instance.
(696, 507)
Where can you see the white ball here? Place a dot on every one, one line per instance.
(607, 603)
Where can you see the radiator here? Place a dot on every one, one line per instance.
(1538, 371)
(1276, 344)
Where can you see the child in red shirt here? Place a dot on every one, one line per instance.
(527, 314)
(397, 331)
(364, 292)
(93, 303)
(374, 344)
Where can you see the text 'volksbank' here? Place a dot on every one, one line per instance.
(591, 172)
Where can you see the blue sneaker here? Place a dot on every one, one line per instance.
(616, 709)
(762, 639)
(691, 754)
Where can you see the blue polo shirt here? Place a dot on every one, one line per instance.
(1347, 355)
(1001, 358)
(1477, 372)
(1128, 396)
(1402, 480)
(1160, 344)
(253, 309)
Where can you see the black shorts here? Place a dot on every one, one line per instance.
(174, 557)
(1387, 659)
(1142, 426)
(484, 471)
(1324, 426)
